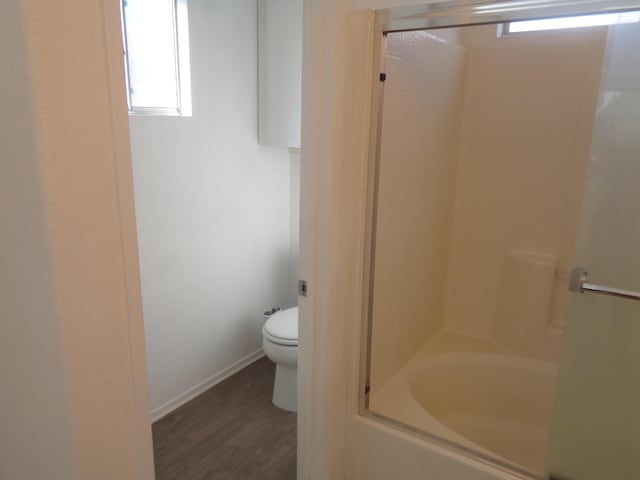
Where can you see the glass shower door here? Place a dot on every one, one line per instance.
(595, 428)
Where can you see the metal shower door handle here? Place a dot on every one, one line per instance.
(578, 284)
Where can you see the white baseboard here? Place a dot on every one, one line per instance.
(171, 405)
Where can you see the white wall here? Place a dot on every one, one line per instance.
(213, 212)
(418, 158)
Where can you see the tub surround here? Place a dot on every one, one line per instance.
(476, 230)
(528, 110)
(483, 158)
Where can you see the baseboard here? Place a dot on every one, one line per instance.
(171, 405)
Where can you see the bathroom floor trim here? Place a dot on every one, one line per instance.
(171, 405)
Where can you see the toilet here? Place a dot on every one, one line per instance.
(280, 344)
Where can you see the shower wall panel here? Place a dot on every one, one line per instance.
(425, 78)
(528, 114)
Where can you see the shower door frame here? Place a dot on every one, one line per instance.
(450, 14)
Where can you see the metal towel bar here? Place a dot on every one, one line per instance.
(578, 284)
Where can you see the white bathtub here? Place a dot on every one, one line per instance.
(496, 405)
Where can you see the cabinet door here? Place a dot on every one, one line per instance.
(280, 72)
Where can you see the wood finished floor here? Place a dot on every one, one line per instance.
(231, 431)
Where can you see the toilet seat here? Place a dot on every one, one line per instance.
(282, 327)
(280, 344)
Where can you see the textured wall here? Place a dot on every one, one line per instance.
(35, 438)
(72, 402)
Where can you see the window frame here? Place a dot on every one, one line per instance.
(181, 54)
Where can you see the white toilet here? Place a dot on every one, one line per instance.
(280, 343)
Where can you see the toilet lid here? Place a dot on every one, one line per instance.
(282, 327)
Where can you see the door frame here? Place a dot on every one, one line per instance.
(322, 405)
(126, 206)
(323, 348)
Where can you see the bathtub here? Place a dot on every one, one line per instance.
(495, 405)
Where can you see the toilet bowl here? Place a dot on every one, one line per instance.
(280, 344)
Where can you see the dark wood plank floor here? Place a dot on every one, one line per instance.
(231, 431)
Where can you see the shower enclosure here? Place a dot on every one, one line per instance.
(505, 154)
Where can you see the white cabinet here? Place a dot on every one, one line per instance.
(279, 72)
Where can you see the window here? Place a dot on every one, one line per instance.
(156, 51)
(572, 22)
